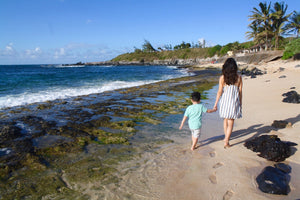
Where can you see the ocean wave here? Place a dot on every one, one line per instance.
(172, 67)
(64, 93)
(68, 66)
(62, 66)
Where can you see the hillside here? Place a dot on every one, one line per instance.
(186, 57)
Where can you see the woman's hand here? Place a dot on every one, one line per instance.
(215, 108)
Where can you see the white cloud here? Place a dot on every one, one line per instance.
(70, 53)
(37, 49)
(8, 50)
(32, 53)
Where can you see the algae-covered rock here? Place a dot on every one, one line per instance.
(61, 149)
(104, 137)
(9, 132)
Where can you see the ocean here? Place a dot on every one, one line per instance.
(26, 84)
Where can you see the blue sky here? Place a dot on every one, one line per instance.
(69, 31)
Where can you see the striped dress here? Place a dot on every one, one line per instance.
(229, 106)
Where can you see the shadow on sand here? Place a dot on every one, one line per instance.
(257, 129)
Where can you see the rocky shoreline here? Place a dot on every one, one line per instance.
(53, 149)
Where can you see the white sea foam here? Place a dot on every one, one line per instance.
(63, 93)
(68, 66)
(172, 67)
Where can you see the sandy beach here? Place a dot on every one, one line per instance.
(159, 163)
(213, 172)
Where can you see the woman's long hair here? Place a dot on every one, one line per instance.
(229, 71)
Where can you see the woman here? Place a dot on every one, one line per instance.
(230, 96)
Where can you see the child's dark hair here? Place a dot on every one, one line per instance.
(196, 96)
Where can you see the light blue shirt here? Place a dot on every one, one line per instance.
(194, 114)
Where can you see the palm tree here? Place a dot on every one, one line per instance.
(278, 18)
(293, 25)
(253, 31)
(262, 17)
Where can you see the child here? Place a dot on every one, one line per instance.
(194, 113)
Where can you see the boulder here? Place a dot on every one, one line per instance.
(291, 97)
(273, 181)
(269, 147)
(251, 72)
(296, 56)
(281, 124)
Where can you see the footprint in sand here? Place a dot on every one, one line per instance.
(212, 154)
(219, 164)
(213, 178)
(228, 195)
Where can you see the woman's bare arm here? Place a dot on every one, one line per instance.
(220, 91)
(241, 89)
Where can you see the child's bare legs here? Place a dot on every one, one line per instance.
(194, 140)
(228, 126)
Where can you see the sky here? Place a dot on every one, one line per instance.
(71, 31)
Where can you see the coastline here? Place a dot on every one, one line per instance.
(77, 148)
(217, 173)
(168, 169)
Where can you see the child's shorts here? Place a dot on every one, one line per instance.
(196, 132)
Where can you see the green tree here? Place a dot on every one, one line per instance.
(183, 45)
(278, 19)
(224, 50)
(293, 26)
(262, 17)
(246, 45)
(254, 30)
(168, 47)
(147, 47)
(137, 50)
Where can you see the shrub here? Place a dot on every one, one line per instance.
(224, 50)
(214, 50)
(291, 49)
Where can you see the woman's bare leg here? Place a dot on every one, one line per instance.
(225, 125)
(228, 126)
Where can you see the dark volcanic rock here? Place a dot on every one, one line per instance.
(291, 97)
(296, 56)
(283, 76)
(38, 126)
(280, 124)
(16, 153)
(283, 167)
(270, 147)
(9, 132)
(273, 181)
(252, 73)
